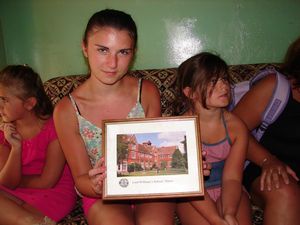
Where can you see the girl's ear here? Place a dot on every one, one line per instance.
(188, 92)
(84, 50)
(30, 103)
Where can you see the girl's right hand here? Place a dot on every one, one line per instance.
(97, 175)
(12, 136)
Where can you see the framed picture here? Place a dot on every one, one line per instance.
(152, 158)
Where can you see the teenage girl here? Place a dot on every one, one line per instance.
(109, 45)
(36, 185)
(203, 81)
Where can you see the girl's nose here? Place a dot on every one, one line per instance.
(112, 61)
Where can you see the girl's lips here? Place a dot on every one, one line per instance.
(110, 73)
(224, 95)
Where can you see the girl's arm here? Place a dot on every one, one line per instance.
(151, 99)
(67, 129)
(10, 170)
(250, 109)
(52, 171)
(234, 165)
(208, 209)
(257, 99)
(10, 157)
(4, 154)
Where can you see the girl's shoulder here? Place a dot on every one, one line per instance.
(49, 129)
(145, 82)
(49, 123)
(148, 88)
(64, 106)
(234, 123)
(260, 93)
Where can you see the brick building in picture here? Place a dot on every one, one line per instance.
(146, 155)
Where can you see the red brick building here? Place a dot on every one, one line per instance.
(146, 155)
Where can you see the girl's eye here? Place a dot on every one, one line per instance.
(103, 50)
(3, 100)
(213, 80)
(124, 52)
(224, 79)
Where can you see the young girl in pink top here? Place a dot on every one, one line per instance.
(204, 90)
(36, 186)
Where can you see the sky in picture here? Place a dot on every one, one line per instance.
(163, 139)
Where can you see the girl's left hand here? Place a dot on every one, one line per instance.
(272, 170)
(97, 175)
(206, 165)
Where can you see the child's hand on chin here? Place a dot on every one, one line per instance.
(12, 135)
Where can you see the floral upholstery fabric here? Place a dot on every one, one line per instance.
(165, 80)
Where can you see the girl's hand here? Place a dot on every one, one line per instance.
(230, 219)
(272, 170)
(12, 136)
(97, 175)
(206, 165)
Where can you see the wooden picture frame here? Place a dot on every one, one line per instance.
(152, 158)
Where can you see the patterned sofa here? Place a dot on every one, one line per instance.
(165, 80)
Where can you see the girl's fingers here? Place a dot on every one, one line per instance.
(100, 163)
(275, 179)
(269, 180)
(291, 173)
(97, 183)
(97, 171)
(262, 180)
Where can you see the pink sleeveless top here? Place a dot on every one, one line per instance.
(54, 202)
(216, 155)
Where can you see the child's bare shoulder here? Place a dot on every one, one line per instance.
(234, 122)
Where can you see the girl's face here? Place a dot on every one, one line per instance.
(109, 52)
(11, 107)
(218, 93)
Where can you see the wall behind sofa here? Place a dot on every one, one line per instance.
(2, 51)
(46, 34)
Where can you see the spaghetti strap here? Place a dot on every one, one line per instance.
(226, 129)
(139, 90)
(137, 111)
(74, 104)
